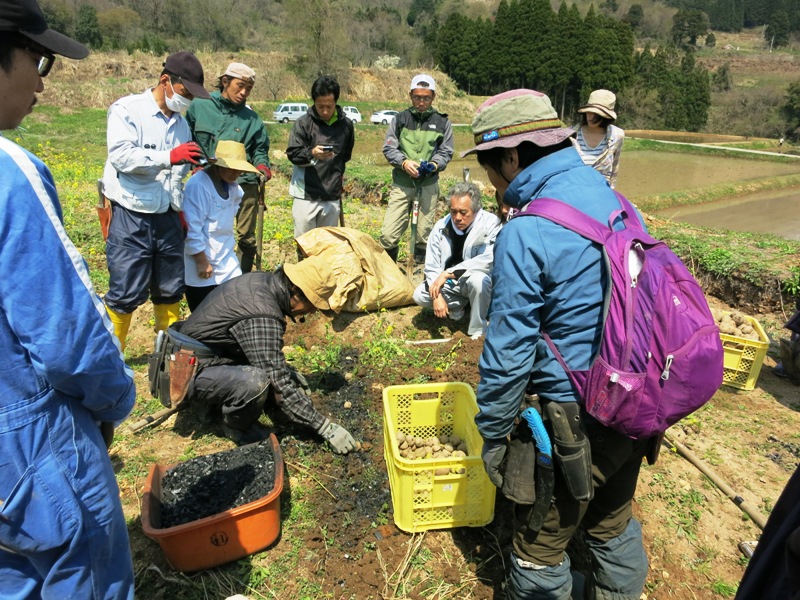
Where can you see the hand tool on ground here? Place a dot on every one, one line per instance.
(103, 210)
(260, 223)
(545, 476)
(751, 511)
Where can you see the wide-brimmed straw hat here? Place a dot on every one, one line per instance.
(601, 102)
(315, 277)
(232, 155)
(517, 116)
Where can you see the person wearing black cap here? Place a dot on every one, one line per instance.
(150, 149)
(62, 529)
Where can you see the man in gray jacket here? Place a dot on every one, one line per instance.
(459, 259)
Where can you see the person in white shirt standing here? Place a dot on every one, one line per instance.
(149, 153)
(210, 203)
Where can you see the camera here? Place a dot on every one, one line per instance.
(425, 167)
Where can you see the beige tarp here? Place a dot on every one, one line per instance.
(366, 278)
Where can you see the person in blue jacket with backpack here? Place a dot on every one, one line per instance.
(63, 382)
(546, 277)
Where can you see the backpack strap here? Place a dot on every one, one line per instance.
(578, 221)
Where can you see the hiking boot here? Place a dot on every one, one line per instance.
(779, 371)
(241, 437)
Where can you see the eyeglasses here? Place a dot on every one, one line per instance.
(45, 62)
(422, 98)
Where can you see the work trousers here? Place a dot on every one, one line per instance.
(144, 252)
(239, 391)
(246, 220)
(62, 529)
(471, 289)
(398, 215)
(539, 564)
(310, 214)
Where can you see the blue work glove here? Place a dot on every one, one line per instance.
(493, 453)
(338, 437)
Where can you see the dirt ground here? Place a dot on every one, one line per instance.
(338, 536)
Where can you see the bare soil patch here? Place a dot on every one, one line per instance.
(339, 540)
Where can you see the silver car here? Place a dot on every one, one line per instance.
(383, 117)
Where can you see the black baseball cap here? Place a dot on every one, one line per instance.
(26, 18)
(186, 66)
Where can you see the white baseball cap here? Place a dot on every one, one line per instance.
(423, 81)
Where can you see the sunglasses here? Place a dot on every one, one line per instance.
(45, 62)
(416, 98)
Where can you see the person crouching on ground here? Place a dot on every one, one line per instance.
(210, 202)
(458, 260)
(243, 322)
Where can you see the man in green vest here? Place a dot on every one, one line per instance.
(226, 116)
(419, 144)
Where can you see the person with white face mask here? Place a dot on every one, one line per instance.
(149, 153)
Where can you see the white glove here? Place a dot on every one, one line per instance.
(338, 437)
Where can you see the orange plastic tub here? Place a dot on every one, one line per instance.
(217, 539)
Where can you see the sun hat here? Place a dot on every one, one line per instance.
(240, 71)
(232, 155)
(186, 66)
(423, 81)
(26, 18)
(601, 102)
(314, 276)
(517, 116)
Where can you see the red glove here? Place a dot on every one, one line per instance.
(189, 152)
(265, 171)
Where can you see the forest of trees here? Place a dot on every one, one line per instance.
(566, 56)
(780, 17)
(565, 49)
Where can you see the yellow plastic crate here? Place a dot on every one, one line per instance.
(743, 357)
(423, 500)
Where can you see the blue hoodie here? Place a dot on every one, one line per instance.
(544, 277)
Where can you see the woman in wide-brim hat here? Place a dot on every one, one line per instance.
(598, 140)
(210, 202)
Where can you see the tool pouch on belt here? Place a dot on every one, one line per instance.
(519, 484)
(156, 370)
(182, 367)
(571, 448)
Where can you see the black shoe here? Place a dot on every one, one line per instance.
(241, 437)
(779, 371)
(419, 258)
(392, 252)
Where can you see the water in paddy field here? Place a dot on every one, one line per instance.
(775, 211)
(648, 172)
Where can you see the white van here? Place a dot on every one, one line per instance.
(289, 111)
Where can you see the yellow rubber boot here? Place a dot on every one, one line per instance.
(166, 315)
(121, 322)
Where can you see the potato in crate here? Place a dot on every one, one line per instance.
(745, 344)
(437, 479)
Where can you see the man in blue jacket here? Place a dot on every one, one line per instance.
(63, 380)
(548, 279)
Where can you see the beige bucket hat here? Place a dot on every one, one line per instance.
(232, 155)
(601, 102)
(315, 277)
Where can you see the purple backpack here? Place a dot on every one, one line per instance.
(660, 355)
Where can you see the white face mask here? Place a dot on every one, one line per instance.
(177, 103)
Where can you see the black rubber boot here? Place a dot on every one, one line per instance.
(392, 252)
